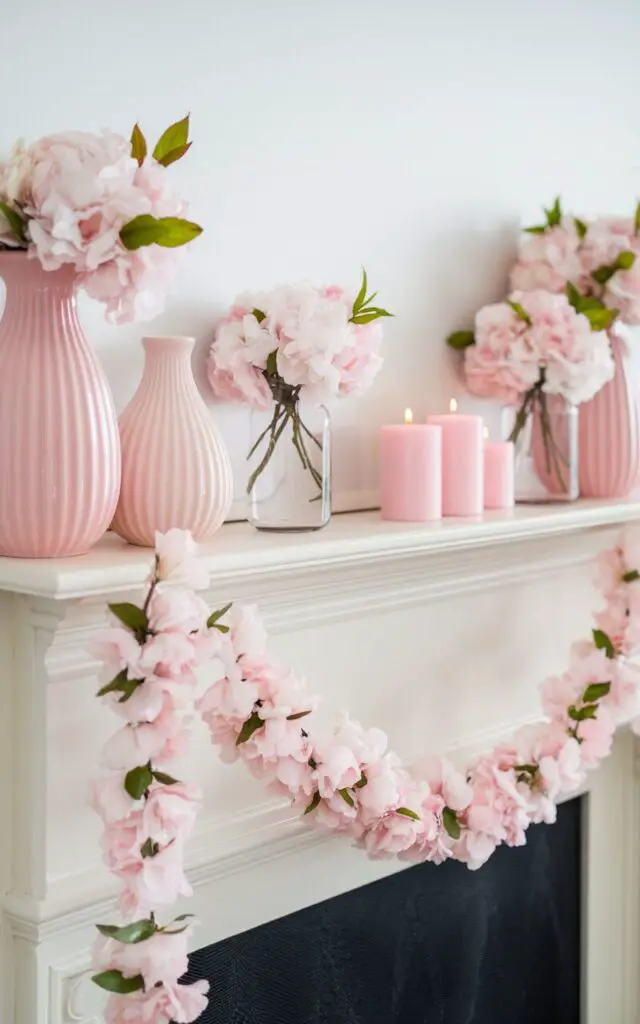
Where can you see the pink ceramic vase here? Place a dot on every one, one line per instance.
(610, 431)
(59, 445)
(175, 467)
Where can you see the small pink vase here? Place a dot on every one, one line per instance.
(175, 467)
(59, 444)
(610, 431)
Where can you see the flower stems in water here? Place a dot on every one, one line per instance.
(285, 412)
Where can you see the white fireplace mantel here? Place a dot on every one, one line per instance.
(437, 633)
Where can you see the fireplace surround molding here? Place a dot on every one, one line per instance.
(437, 634)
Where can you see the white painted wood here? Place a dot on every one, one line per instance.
(438, 636)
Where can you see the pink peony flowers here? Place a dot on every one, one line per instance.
(103, 205)
(295, 343)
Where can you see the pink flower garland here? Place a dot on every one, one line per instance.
(345, 780)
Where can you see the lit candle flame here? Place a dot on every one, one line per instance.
(453, 405)
(485, 433)
(408, 416)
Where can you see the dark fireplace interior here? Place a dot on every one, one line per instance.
(429, 945)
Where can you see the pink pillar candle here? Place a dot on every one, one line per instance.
(498, 474)
(411, 472)
(462, 464)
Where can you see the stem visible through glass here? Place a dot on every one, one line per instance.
(285, 410)
(536, 399)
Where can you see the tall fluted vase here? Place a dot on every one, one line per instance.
(59, 445)
(610, 430)
(175, 466)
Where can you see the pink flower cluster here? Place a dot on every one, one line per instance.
(310, 334)
(73, 193)
(344, 780)
(516, 340)
(148, 659)
(561, 253)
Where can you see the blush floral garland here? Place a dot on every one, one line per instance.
(345, 780)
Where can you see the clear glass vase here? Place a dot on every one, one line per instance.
(545, 435)
(289, 486)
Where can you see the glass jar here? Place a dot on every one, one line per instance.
(289, 486)
(545, 435)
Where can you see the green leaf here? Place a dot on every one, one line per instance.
(362, 781)
(460, 340)
(360, 297)
(554, 215)
(600, 319)
(314, 803)
(149, 849)
(631, 576)
(272, 364)
(138, 931)
(581, 714)
(528, 769)
(259, 315)
(216, 616)
(573, 294)
(251, 725)
(16, 223)
(603, 274)
(137, 781)
(174, 154)
(520, 311)
(130, 616)
(346, 796)
(164, 779)
(406, 812)
(581, 227)
(603, 643)
(176, 136)
(451, 823)
(367, 316)
(637, 219)
(116, 684)
(536, 229)
(625, 260)
(297, 715)
(595, 691)
(168, 232)
(114, 981)
(138, 145)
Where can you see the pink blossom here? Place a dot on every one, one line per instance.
(549, 260)
(338, 767)
(229, 697)
(121, 842)
(596, 738)
(169, 654)
(445, 781)
(170, 812)
(119, 651)
(160, 959)
(134, 745)
(177, 560)
(151, 882)
(511, 352)
(174, 610)
(248, 635)
(623, 292)
(606, 238)
(393, 833)
(181, 1004)
(610, 569)
(110, 799)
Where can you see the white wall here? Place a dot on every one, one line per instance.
(408, 135)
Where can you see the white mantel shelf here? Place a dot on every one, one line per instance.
(356, 538)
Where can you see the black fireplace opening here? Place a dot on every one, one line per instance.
(428, 945)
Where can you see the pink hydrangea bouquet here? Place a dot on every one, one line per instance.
(103, 204)
(593, 261)
(534, 345)
(294, 343)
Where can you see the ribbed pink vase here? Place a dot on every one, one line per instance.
(610, 431)
(59, 444)
(175, 467)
